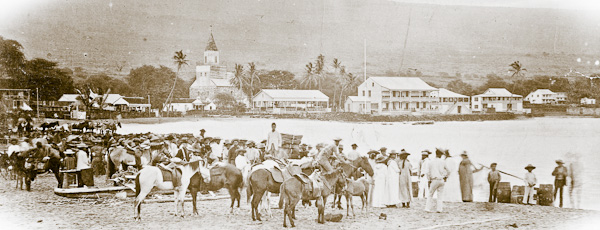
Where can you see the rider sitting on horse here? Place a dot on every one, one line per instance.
(132, 147)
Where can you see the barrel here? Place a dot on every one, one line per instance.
(503, 192)
(415, 189)
(545, 194)
(516, 195)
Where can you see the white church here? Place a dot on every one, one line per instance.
(212, 78)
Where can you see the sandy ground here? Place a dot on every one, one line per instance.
(41, 209)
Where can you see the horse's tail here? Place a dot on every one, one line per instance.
(137, 185)
(249, 188)
(111, 168)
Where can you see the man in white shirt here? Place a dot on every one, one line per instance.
(353, 155)
(252, 153)
(13, 147)
(25, 146)
(423, 181)
(530, 182)
(216, 149)
(274, 140)
(437, 172)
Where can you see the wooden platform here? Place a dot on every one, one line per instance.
(90, 192)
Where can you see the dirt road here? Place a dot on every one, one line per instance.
(42, 209)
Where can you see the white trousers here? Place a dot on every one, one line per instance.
(423, 187)
(436, 185)
(528, 193)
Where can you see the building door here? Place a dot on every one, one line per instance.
(509, 107)
(458, 109)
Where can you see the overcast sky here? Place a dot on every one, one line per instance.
(558, 4)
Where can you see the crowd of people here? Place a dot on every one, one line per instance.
(391, 184)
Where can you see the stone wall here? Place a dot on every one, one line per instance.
(583, 111)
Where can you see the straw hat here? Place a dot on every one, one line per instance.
(340, 146)
(464, 153)
(403, 152)
(382, 149)
(393, 152)
(425, 152)
(82, 145)
(337, 139)
(240, 151)
(69, 152)
(529, 166)
(559, 161)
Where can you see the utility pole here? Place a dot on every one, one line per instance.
(365, 76)
(37, 104)
(150, 107)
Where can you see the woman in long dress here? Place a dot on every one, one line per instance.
(405, 183)
(393, 183)
(452, 187)
(465, 172)
(379, 180)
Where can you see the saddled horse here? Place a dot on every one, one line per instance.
(119, 157)
(28, 164)
(352, 170)
(150, 177)
(292, 190)
(54, 163)
(222, 175)
(259, 182)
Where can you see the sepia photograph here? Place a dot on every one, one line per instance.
(307, 114)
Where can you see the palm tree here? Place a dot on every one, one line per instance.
(310, 79)
(252, 75)
(336, 64)
(179, 59)
(238, 80)
(320, 68)
(517, 69)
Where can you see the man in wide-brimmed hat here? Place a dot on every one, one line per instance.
(232, 153)
(437, 173)
(379, 192)
(202, 132)
(530, 181)
(383, 151)
(13, 148)
(85, 173)
(560, 174)
(252, 153)
(421, 171)
(353, 154)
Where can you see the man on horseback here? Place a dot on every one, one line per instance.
(132, 148)
(331, 151)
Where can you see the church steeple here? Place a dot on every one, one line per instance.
(211, 53)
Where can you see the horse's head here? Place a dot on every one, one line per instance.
(364, 164)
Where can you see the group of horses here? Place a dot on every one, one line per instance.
(24, 166)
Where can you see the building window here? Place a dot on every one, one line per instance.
(363, 93)
(476, 106)
(372, 84)
(476, 99)
(424, 93)
(369, 93)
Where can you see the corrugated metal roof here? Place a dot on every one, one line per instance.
(498, 92)
(295, 95)
(402, 83)
(448, 93)
(543, 91)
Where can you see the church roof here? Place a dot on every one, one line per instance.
(211, 45)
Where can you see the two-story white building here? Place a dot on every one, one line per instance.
(393, 95)
(498, 100)
(542, 96)
(452, 103)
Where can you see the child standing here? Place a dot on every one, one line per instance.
(530, 181)
(494, 180)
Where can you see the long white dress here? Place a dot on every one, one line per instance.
(452, 188)
(393, 183)
(379, 180)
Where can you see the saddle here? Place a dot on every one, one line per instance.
(314, 188)
(172, 176)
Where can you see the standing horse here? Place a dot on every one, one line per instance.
(225, 175)
(54, 162)
(360, 188)
(151, 176)
(48, 125)
(352, 171)
(293, 189)
(259, 182)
